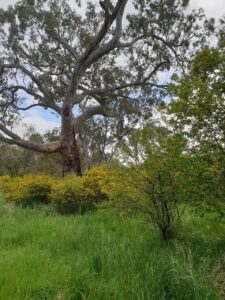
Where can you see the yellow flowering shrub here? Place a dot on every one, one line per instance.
(27, 190)
(95, 181)
(123, 185)
(124, 188)
(70, 195)
(4, 180)
(74, 194)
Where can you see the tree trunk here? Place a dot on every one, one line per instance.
(69, 149)
(167, 232)
(71, 158)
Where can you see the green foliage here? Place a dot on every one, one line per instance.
(204, 181)
(164, 173)
(198, 107)
(155, 184)
(197, 111)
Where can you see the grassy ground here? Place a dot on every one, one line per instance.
(104, 256)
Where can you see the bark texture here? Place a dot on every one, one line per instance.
(71, 158)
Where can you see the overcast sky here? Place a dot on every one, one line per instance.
(213, 8)
(42, 121)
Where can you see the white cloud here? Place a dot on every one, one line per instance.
(35, 119)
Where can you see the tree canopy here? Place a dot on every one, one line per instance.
(80, 67)
(198, 107)
(197, 112)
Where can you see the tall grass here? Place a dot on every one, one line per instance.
(102, 255)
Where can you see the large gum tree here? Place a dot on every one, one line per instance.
(102, 63)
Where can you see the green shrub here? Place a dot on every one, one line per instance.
(27, 190)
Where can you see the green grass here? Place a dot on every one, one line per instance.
(104, 256)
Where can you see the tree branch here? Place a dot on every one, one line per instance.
(112, 44)
(43, 101)
(93, 52)
(28, 73)
(167, 44)
(63, 42)
(127, 85)
(15, 88)
(79, 98)
(16, 140)
(109, 19)
(129, 44)
(88, 113)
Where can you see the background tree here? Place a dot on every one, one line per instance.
(199, 108)
(197, 111)
(83, 66)
(15, 160)
(10, 159)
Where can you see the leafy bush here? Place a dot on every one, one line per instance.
(71, 195)
(27, 190)
(155, 187)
